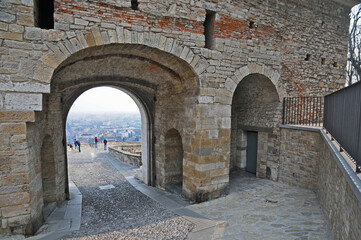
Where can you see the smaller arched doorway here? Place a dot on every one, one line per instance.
(256, 111)
(173, 160)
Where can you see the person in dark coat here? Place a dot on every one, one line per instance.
(78, 142)
(105, 144)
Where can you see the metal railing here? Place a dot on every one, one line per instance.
(303, 111)
(342, 119)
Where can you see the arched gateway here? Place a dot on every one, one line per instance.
(164, 87)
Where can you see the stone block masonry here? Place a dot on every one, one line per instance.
(157, 54)
(300, 157)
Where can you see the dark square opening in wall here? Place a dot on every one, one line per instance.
(44, 14)
(209, 29)
(252, 24)
(308, 57)
(134, 5)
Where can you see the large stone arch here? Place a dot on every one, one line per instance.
(165, 85)
(256, 68)
(60, 53)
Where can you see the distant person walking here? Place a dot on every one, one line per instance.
(96, 142)
(75, 144)
(105, 144)
(79, 145)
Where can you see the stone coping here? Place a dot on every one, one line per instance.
(302, 127)
(124, 152)
(350, 175)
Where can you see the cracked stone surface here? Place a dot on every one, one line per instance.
(262, 209)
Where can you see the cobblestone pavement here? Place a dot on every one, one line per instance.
(121, 212)
(263, 209)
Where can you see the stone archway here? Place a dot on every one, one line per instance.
(173, 157)
(256, 112)
(164, 86)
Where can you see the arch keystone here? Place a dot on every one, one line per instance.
(97, 37)
(90, 39)
(168, 45)
(127, 36)
(134, 39)
(120, 34)
(256, 68)
(140, 38)
(112, 36)
(105, 37)
(161, 44)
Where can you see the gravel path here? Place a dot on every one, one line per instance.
(121, 212)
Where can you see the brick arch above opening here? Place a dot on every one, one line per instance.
(63, 50)
(274, 76)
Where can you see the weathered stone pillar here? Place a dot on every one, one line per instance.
(206, 172)
(16, 173)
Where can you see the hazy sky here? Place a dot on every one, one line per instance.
(104, 100)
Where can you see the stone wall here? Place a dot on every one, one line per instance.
(339, 191)
(300, 156)
(299, 46)
(310, 160)
(132, 147)
(126, 157)
(173, 157)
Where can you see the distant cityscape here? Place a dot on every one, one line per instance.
(115, 127)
